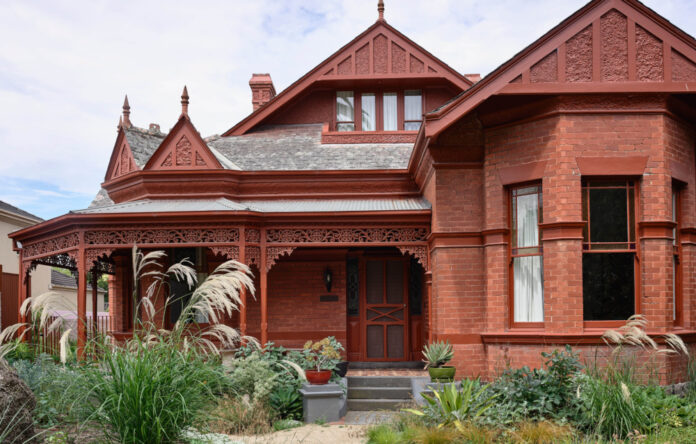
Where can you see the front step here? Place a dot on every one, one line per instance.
(379, 393)
(379, 381)
(376, 404)
(371, 393)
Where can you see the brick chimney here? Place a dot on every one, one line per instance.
(474, 78)
(262, 90)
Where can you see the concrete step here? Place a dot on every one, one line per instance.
(379, 392)
(377, 404)
(379, 381)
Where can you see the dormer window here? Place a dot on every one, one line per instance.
(413, 110)
(345, 111)
(379, 111)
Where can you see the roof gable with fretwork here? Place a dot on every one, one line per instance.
(380, 52)
(608, 46)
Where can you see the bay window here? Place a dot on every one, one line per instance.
(609, 250)
(527, 264)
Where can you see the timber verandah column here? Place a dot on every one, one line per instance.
(263, 278)
(81, 297)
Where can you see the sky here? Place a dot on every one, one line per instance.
(65, 66)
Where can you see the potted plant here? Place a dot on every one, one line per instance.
(436, 356)
(321, 357)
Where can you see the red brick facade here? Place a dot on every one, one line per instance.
(606, 95)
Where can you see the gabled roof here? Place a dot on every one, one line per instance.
(11, 209)
(133, 148)
(606, 46)
(184, 148)
(379, 52)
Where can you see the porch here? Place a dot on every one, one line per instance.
(366, 284)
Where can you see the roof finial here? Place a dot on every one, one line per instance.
(120, 122)
(184, 102)
(380, 9)
(126, 113)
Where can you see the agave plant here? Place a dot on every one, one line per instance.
(437, 354)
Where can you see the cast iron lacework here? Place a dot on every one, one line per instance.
(70, 240)
(252, 235)
(253, 255)
(418, 252)
(346, 235)
(353, 286)
(274, 253)
(230, 252)
(162, 236)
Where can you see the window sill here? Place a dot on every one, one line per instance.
(539, 337)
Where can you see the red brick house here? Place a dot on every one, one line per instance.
(386, 199)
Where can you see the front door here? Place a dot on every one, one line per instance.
(385, 309)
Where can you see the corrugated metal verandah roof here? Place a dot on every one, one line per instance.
(261, 206)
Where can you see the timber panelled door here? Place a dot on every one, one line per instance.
(378, 308)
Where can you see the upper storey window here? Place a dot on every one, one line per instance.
(345, 111)
(379, 111)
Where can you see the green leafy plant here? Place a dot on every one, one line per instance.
(437, 354)
(450, 405)
(286, 402)
(322, 355)
(285, 424)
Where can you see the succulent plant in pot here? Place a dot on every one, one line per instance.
(321, 357)
(436, 355)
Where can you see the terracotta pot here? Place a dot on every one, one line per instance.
(442, 374)
(318, 377)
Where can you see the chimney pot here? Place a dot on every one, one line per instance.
(262, 90)
(154, 128)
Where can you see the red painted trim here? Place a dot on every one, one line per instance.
(348, 137)
(656, 229)
(522, 173)
(539, 337)
(612, 166)
(680, 171)
(554, 231)
(183, 126)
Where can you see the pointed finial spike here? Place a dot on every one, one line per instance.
(120, 122)
(126, 113)
(184, 101)
(380, 9)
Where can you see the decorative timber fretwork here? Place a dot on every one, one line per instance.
(346, 235)
(252, 235)
(52, 245)
(253, 256)
(162, 236)
(99, 260)
(274, 253)
(418, 252)
(231, 252)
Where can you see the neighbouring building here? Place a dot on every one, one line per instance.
(388, 200)
(13, 219)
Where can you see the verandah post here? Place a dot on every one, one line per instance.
(81, 299)
(94, 302)
(243, 292)
(263, 269)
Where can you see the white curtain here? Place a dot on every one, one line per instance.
(369, 119)
(528, 271)
(413, 110)
(390, 121)
(345, 110)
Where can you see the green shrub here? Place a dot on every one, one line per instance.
(383, 434)
(151, 392)
(286, 402)
(239, 415)
(253, 376)
(59, 390)
(452, 405)
(612, 409)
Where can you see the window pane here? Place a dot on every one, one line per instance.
(608, 215)
(345, 127)
(344, 107)
(529, 289)
(369, 119)
(412, 126)
(527, 220)
(390, 122)
(608, 286)
(413, 109)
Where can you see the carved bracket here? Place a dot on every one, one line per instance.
(231, 252)
(274, 253)
(419, 252)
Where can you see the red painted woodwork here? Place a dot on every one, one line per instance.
(183, 149)
(9, 289)
(122, 161)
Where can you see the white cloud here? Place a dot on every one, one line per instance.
(65, 65)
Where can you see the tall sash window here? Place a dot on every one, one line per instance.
(527, 255)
